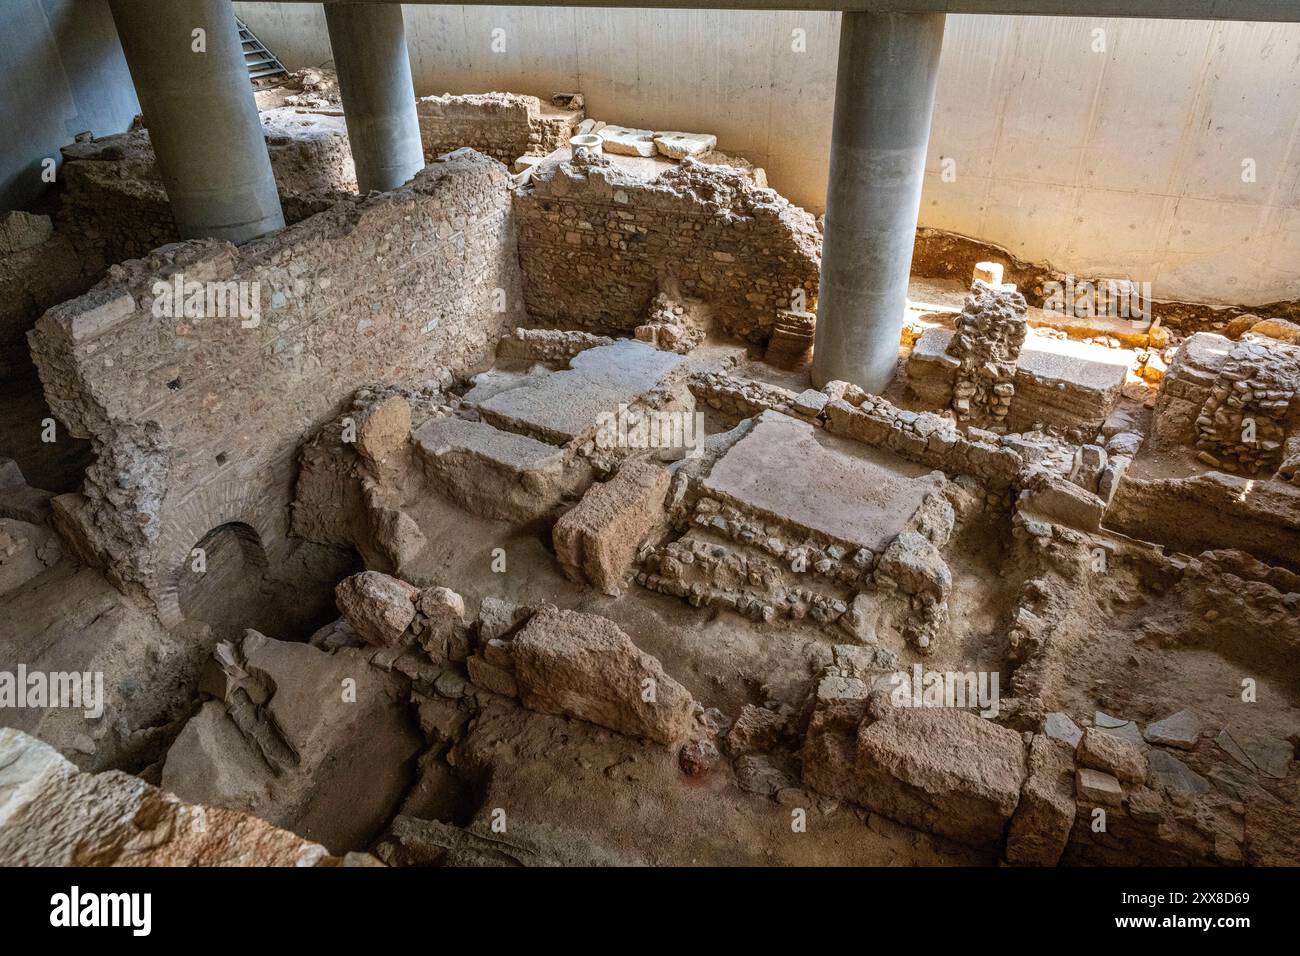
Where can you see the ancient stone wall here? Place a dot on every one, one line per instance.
(196, 421)
(596, 243)
(986, 345)
(505, 126)
(37, 269)
(115, 208)
(1244, 424)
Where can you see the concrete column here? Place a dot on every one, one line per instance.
(884, 98)
(198, 104)
(369, 44)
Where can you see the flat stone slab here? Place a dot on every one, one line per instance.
(795, 473)
(1179, 730)
(1128, 729)
(1169, 772)
(565, 405)
(1058, 726)
(680, 145)
(494, 473)
(628, 141)
(1080, 364)
(514, 452)
(1043, 360)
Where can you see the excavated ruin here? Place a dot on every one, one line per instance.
(494, 520)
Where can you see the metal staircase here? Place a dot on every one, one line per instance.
(262, 64)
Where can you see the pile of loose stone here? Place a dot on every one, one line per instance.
(670, 326)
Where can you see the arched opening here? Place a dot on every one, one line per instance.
(227, 582)
(221, 580)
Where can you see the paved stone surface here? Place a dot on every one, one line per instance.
(566, 405)
(785, 468)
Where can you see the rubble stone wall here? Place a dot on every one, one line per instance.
(36, 271)
(505, 126)
(595, 245)
(114, 205)
(1248, 416)
(196, 422)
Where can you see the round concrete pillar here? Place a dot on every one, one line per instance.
(369, 44)
(884, 98)
(188, 66)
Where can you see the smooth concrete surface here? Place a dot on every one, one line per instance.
(884, 98)
(198, 106)
(64, 74)
(1277, 10)
(369, 46)
(1124, 161)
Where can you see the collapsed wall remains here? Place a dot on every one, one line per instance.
(597, 244)
(114, 205)
(504, 126)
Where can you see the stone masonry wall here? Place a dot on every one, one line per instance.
(196, 422)
(505, 126)
(595, 245)
(1244, 424)
(114, 206)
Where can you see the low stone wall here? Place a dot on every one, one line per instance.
(1210, 511)
(740, 398)
(596, 244)
(504, 126)
(925, 438)
(195, 421)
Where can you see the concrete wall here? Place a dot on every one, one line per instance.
(1124, 161)
(63, 73)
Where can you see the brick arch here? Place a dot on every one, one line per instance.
(231, 501)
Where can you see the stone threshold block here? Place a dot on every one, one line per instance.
(494, 473)
(597, 541)
(944, 771)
